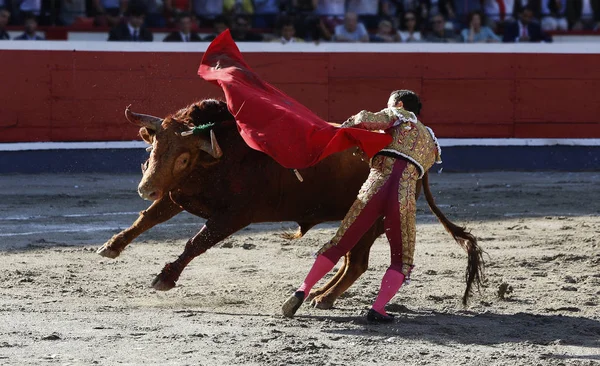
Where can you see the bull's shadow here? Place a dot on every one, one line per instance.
(475, 328)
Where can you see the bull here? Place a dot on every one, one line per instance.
(216, 176)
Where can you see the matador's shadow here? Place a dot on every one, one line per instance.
(474, 328)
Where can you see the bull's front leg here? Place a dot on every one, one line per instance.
(160, 211)
(215, 230)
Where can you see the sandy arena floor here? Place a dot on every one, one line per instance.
(61, 303)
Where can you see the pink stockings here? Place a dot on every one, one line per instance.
(384, 202)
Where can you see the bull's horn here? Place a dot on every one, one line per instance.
(143, 120)
(213, 147)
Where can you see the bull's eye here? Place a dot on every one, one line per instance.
(182, 162)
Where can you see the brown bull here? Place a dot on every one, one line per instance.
(216, 176)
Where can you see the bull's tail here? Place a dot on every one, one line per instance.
(474, 272)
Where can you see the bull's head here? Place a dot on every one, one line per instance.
(174, 152)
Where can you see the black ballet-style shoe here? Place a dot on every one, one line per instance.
(292, 304)
(376, 317)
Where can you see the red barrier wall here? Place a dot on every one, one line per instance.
(81, 96)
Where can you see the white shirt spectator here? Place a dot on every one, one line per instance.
(331, 7)
(363, 7)
(406, 36)
(342, 33)
(31, 6)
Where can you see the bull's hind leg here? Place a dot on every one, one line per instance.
(160, 211)
(355, 264)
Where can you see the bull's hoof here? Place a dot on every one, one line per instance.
(322, 302)
(162, 285)
(108, 252)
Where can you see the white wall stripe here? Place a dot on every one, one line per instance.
(198, 47)
(28, 146)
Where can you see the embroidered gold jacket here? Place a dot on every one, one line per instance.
(412, 140)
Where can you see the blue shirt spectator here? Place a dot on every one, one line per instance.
(477, 33)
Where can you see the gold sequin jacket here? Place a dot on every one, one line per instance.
(412, 140)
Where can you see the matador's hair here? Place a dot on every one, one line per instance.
(409, 98)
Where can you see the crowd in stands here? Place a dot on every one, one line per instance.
(311, 20)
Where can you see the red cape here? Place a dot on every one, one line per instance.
(272, 122)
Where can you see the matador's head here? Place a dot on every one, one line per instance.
(409, 100)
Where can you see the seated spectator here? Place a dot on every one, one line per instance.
(265, 13)
(132, 30)
(220, 24)
(409, 31)
(174, 8)
(351, 30)
(583, 14)
(240, 30)
(525, 29)
(287, 33)
(439, 33)
(367, 11)
(184, 34)
(476, 33)
(70, 10)
(385, 33)
(4, 18)
(554, 14)
(30, 31)
(238, 7)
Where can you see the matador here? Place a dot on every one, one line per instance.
(388, 192)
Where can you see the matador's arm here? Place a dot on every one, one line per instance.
(381, 120)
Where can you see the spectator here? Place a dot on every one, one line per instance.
(524, 30)
(367, 11)
(439, 33)
(265, 13)
(476, 33)
(175, 8)
(583, 14)
(220, 24)
(133, 30)
(109, 12)
(554, 15)
(30, 31)
(409, 31)
(240, 30)
(287, 32)
(385, 33)
(207, 10)
(184, 34)
(351, 30)
(70, 10)
(4, 18)
(238, 7)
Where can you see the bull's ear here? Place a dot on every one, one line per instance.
(147, 135)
